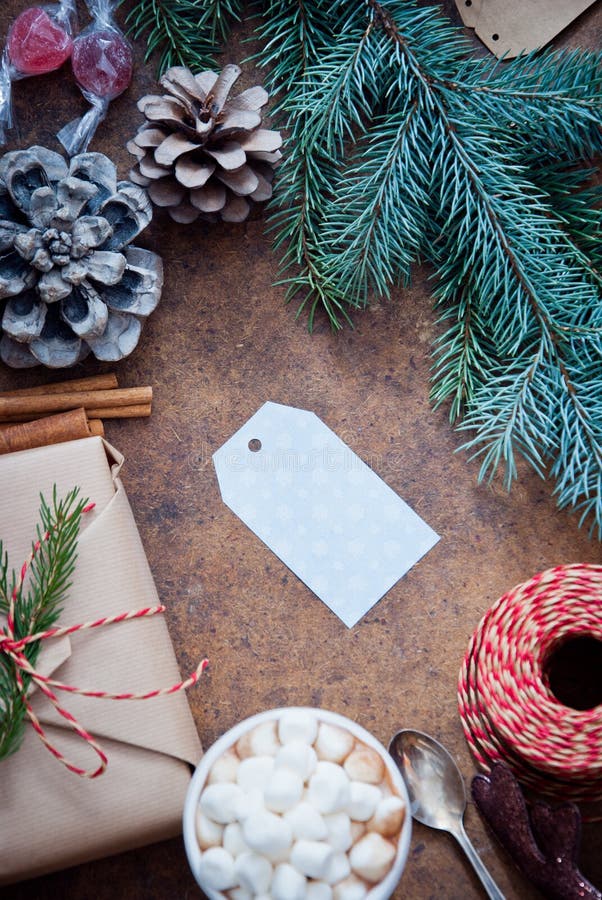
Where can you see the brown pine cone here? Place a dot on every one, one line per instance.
(200, 153)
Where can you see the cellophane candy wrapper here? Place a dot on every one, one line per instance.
(102, 62)
(39, 41)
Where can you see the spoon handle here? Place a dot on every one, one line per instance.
(478, 865)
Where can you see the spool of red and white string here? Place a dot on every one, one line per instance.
(508, 709)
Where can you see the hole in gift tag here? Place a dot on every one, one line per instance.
(495, 37)
(574, 672)
(468, 3)
(254, 445)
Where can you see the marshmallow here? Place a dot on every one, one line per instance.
(365, 764)
(233, 841)
(255, 772)
(372, 857)
(283, 790)
(267, 833)
(388, 816)
(312, 858)
(218, 802)
(329, 789)
(240, 894)
(287, 883)
(306, 822)
(249, 802)
(358, 830)
(216, 869)
(254, 872)
(298, 756)
(349, 889)
(297, 725)
(280, 856)
(259, 741)
(317, 890)
(364, 800)
(339, 831)
(224, 768)
(333, 743)
(208, 833)
(338, 869)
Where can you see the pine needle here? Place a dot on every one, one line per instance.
(183, 32)
(39, 601)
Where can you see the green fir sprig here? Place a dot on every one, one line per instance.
(404, 147)
(38, 602)
(183, 32)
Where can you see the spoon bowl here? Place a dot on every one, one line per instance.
(437, 794)
(435, 786)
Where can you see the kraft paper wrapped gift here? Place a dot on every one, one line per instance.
(51, 818)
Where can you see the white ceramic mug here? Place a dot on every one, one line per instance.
(380, 891)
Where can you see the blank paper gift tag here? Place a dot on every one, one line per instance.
(510, 27)
(318, 507)
(469, 11)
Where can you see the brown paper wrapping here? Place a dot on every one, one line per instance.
(49, 817)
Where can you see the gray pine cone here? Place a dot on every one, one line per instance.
(69, 282)
(202, 154)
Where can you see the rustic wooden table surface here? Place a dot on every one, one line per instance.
(220, 344)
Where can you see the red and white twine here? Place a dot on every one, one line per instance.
(507, 708)
(13, 648)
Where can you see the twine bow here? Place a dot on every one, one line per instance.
(13, 648)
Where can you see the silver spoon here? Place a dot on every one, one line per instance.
(437, 793)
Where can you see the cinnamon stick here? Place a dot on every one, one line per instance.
(94, 415)
(142, 410)
(66, 426)
(96, 427)
(92, 383)
(94, 400)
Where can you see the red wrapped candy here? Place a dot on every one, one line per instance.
(102, 63)
(39, 41)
